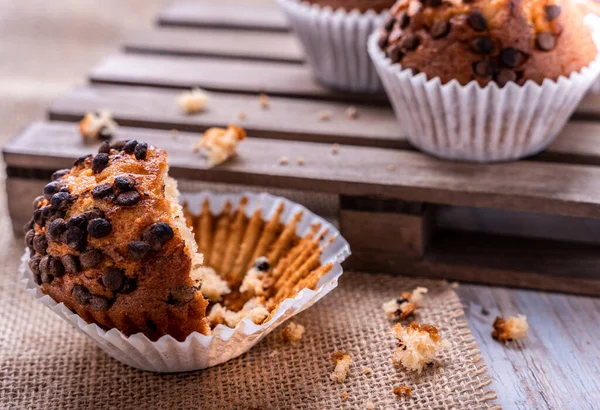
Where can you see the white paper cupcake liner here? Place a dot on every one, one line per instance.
(335, 44)
(201, 351)
(486, 124)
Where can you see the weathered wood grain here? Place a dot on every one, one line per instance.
(220, 75)
(238, 16)
(356, 171)
(203, 42)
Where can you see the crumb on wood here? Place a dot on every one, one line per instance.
(324, 115)
(342, 361)
(352, 112)
(283, 160)
(242, 116)
(367, 371)
(173, 134)
(192, 101)
(417, 346)
(99, 126)
(344, 397)
(454, 285)
(402, 391)
(391, 167)
(293, 332)
(484, 311)
(300, 160)
(335, 148)
(220, 144)
(263, 100)
(513, 328)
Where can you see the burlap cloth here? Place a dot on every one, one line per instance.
(46, 364)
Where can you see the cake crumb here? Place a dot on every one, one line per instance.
(454, 285)
(242, 116)
(293, 332)
(367, 371)
(405, 305)
(335, 148)
(254, 309)
(391, 167)
(417, 345)
(300, 160)
(352, 112)
(192, 101)
(507, 330)
(369, 405)
(283, 160)
(344, 397)
(342, 363)
(402, 391)
(220, 144)
(95, 127)
(173, 134)
(263, 100)
(211, 284)
(324, 115)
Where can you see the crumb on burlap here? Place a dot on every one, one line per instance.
(402, 307)
(344, 397)
(300, 160)
(220, 144)
(283, 160)
(293, 332)
(352, 112)
(324, 115)
(402, 391)
(263, 100)
(369, 405)
(335, 148)
(417, 345)
(192, 101)
(507, 330)
(367, 371)
(342, 361)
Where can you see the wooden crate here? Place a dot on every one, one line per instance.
(533, 223)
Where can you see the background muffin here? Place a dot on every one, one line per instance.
(486, 41)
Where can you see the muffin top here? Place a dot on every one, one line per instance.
(108, 239)
(485, 41)
(360, 5)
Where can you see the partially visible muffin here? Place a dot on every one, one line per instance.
(109, 240)
(360, 5)
(501, 40)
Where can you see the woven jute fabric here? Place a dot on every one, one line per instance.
(46, 364)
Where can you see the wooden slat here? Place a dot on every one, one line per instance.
(241, 44)
(194, 14)
(571, 190)
(286, 118)
(220, 75)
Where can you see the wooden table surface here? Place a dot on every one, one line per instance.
(47, 47)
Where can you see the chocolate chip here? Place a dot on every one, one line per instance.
(141, 150)
(389, 22)
(106, 134)
(102, 191)
(40, 244)
(124, 184)
(504, 76)
(71, 263)
(113, 279)
(37, 278)
(79, 221)
(44, 265)
(52, 266)
(99, 162)
(47, 278)
(157, 234)
(383, 40)
(75, 238)
(93, 214)
(29, 236)
(440, 29)
(130, 198)
(552, 11)
(61, 201)
(60, 173)
(38, 201)
(81, 159)
(181, 295)
(99, 228)
(545, 41)
(51, 189)
(56, 229)
(81, 294)
(477, 21)
(99, 304)
(118, 145)
(129, 146)
(482, 68)
(482, 45)
(34, 264)
(38, 217)
(404, 20)
(262, 264)
(91, 258)
(410, 42)
(129, 286)
(433, 3)
(395, 54)
(511, 57)
(138, 249)
(104, 148)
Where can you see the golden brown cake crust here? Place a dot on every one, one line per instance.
(115, 253)
(360, 5)
(499, 40)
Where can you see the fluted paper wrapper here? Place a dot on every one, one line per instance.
(486, 124)
(201, 351)
(334, 42)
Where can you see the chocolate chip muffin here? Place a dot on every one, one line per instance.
(485, 41)
(360, 5)
(108, 239)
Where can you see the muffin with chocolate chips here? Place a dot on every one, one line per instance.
(481, 80)
(108, 239)
(333, 34)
